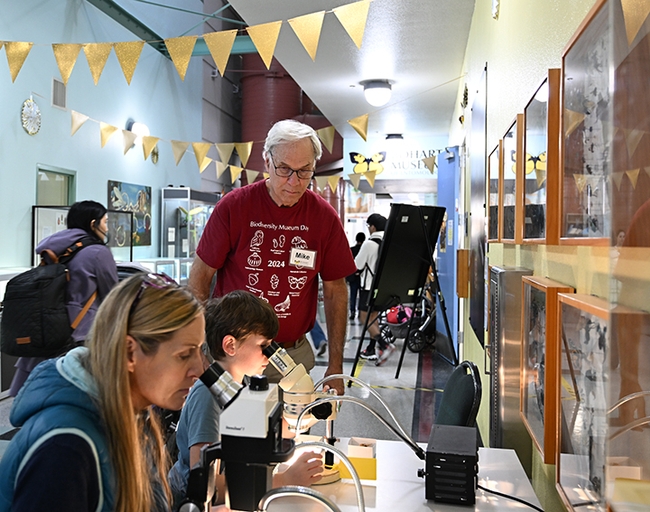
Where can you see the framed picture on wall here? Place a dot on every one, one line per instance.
(133, 198)
(494, 193)
(539, 361)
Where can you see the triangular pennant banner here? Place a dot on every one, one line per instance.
(370, 178)
(179, 148)
(77, 120)
(129, 139)
(16, 55)
(206, 161)
(572, 120)
(594, 181)
(581, 181)
(251, 176)
(221, 167)
(618, 179)
(220, 45)
(1, 44)
(180, 50)
(200, 151)
(430, 162)
(66, 57)
(355, 179)
(326, 136)
(353, 18)
(225, 150)
(632, 139)
(235, 172)
(308, 29)
(333, 182)
(106, 131)
(266, 175)
(97, 55)
(148, 143)
(265, 37)
(244, 151)
(647, 171)
(321, 182)
(128, 54)
(360, 124)
(634, 176)
(540, 174)
(635, 13)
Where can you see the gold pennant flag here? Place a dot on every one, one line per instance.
(106, 131)
(180, 50)
(430, 162)
(128, 55)
(77, 120)
(540, 174)
(225, 151)
(618, 179)
(148, 143)
(266, 175)
(635, 13)
(360, 124)
(333, 182)
(634, 176)
(221, 167)
(244, 151)
(251, 176)
(1, 44)
(206, 161)
(326, 136)
(647, 171)
(200, 151)
(572, 120)
(355, 179)
(220, 45)
(66, 57)
(179, 148)
(632, 139)
(321, 182)
(235, 172)
(353, 18)
(370, 178)
(265, 37)
(97, 55)
(581, 181)
(16, 55)
(308, 29)
(129, 140)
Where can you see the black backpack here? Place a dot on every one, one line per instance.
(35, 319)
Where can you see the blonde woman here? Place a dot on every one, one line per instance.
(88, 440)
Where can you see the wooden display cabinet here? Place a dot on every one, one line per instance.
(539, 361)
(511, 216)
(495, 182)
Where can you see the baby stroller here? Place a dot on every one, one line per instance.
(423, 326)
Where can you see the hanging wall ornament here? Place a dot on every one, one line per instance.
(97, 55)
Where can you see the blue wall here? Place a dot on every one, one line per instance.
(170, 107)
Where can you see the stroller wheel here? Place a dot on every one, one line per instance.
(416, 341)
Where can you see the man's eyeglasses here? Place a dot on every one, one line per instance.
(285, 172)
(157, 281)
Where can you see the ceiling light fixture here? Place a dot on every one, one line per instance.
(394, 136)
(377, 92)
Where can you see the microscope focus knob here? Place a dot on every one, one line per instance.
(259, 383)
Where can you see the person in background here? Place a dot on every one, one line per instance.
(88, 440)
(354, 280)
(238, 326)
(275, 238)
(92, 269)
(366, 262)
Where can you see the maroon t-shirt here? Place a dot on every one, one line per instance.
(258, 246)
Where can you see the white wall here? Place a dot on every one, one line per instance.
(170, 107)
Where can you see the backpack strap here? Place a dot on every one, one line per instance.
(85, 309)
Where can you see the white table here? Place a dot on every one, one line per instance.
(399, 489)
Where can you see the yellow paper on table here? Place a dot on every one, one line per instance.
(631, 491)
(362, 453)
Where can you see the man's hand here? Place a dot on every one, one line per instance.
(335, 300)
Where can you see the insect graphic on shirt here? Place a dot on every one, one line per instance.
(284, 305)
(297, 283)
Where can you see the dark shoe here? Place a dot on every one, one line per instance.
(322, 348)
(369, 355)
(352, 315)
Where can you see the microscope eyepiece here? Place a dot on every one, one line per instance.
(271, 349)
(221, 384)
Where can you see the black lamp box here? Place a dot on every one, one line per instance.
(452, 465)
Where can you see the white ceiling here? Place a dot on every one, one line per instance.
(418, 44)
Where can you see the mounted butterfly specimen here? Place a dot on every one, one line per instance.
(363, 164)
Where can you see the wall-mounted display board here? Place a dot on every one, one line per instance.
(541, 162)
(494, 193)
(539, 361)
(511, 217)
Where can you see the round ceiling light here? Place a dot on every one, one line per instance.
(377, 92)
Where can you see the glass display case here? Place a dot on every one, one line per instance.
(511, 200)
(539, 361)
(494, 184)
(47, 220)
(185, 213)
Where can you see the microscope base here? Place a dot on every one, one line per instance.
(330, 475)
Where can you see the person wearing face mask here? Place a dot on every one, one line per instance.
(91, 270)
